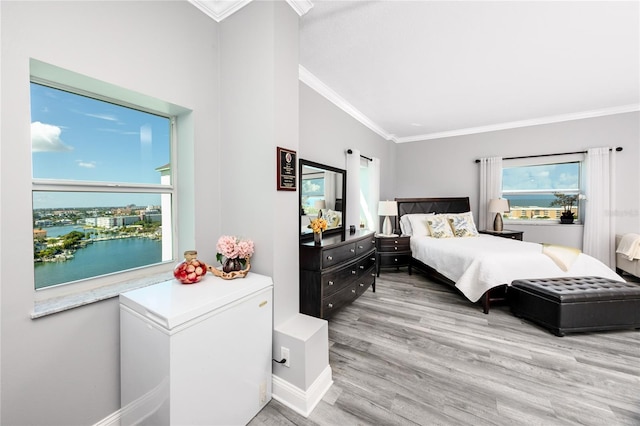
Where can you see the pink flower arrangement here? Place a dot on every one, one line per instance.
(231, 247)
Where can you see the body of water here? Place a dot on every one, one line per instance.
(540, 200)
(98, 258)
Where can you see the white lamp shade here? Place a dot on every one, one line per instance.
(387, 208)
(320, 204)
(499, 205)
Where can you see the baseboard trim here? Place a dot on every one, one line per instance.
(302, 402)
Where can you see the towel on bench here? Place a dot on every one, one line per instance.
(629, 246)
(561, 255)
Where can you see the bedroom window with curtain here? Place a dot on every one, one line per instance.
(532, 189)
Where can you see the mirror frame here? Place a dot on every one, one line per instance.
(338, 230)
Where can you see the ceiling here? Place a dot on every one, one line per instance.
(418, 70)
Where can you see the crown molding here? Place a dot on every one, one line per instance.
(524, 123)
(300, 6)
(221, 9)
(218, 9)
(313, 82)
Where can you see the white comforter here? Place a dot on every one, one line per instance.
(477, 264)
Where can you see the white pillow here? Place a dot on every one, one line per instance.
(405, 225)
(418, 224)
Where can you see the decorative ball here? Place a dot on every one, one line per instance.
(190, 271)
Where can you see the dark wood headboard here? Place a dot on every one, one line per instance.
(433, 205)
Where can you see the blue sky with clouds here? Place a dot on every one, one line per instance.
(78, 138)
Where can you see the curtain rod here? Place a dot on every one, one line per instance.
(618, 149)
(349, 151)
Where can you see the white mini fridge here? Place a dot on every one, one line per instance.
(196, 354)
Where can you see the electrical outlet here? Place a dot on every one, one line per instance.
(284, 354)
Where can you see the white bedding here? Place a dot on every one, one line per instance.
(477, 264)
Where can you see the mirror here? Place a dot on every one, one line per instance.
(321, 188)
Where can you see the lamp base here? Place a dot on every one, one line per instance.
(497, 223)
(387, 229)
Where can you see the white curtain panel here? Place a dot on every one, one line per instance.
(330, 189)
(373, 196)
(490, 187)
(353, 189)
(599, 223)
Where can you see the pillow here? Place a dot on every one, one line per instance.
(418, 224)
(439, 226)
(462, 224)
(405, 225)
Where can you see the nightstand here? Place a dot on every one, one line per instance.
(514, 235)
(393, 252)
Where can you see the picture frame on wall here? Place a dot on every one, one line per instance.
(286, 170)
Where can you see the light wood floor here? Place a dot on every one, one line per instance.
(417, 352)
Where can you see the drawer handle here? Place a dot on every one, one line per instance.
(373, 258)
(395, 248)
(353, 272)
(360, 247)
(373, 241)
(396, 241)
(361, 284)
(330, 282)
(353, 290)
(361, 266)
(329, 257)
(395, 260)
(352, 250)
(330, 305)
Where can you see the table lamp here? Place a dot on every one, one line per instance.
(387, 208)
(498, 206)
(320, 205)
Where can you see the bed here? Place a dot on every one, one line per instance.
(482, 266)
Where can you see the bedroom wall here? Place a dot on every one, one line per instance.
(326, 132)
(446, 167)
(64, 369)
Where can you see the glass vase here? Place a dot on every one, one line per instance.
(317, 238)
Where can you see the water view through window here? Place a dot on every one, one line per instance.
(101, 187)
(531, 189)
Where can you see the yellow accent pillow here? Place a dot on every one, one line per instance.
(439, 226)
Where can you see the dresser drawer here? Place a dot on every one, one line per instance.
(391, 259)
(366, 263)
(365, 245)
(334, 256)
(393, 244)
(366, 280)
(335, 281)
(337, 300)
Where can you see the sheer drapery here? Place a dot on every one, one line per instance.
(490, 187)
(353, 189)
(599, 223)
(330, 189)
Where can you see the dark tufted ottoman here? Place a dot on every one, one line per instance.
(565, 305)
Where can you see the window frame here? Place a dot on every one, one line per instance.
(64, 296)
(542, 161)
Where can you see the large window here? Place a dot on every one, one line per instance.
(102, 186)
(533, 190)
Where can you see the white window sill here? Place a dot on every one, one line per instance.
(539, 223)
(54, 305)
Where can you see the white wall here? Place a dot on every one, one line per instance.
(326, 132)
(64, 369)
(446, 167)
(259, 89)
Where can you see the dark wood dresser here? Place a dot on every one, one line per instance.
(336, 272)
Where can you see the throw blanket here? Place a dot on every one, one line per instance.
(561, 255)
(629, 246)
